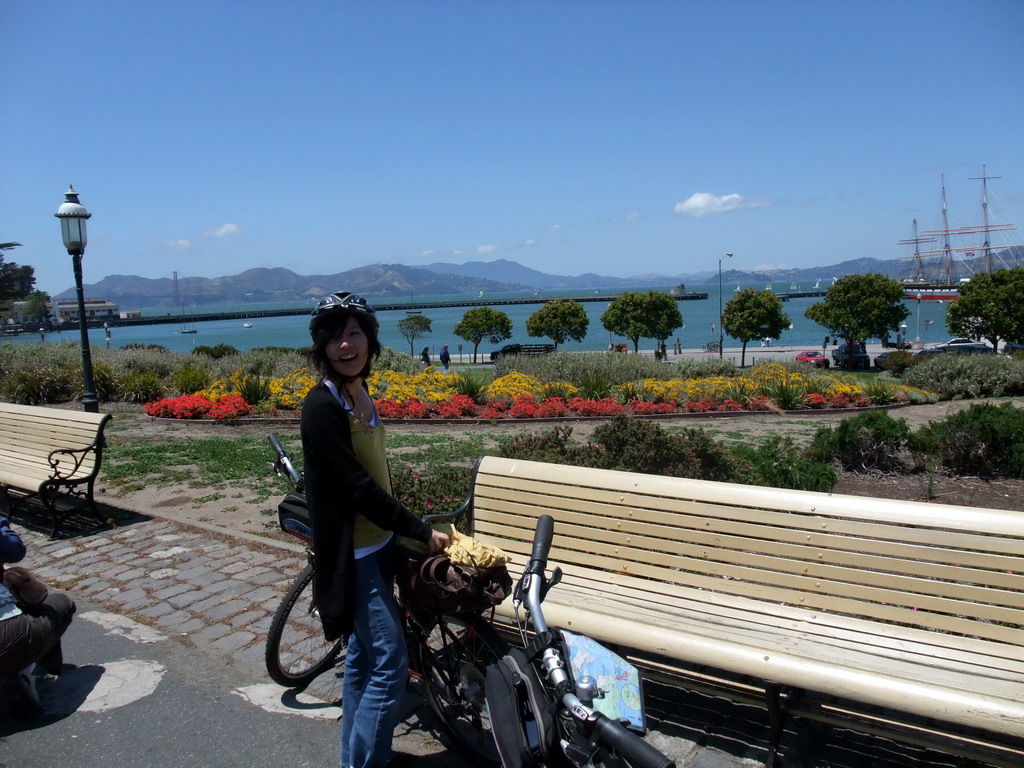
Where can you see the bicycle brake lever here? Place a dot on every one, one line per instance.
(556, 576)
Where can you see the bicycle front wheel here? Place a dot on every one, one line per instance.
(297, 651)
(453, 658)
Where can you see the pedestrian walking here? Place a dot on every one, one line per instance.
(445, 358)
(425, 356)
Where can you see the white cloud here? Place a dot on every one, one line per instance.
(555, 227)
(482, 249)
(177, 245)
(636, 216)
(702, 203)
(224, 230)
(529, 243)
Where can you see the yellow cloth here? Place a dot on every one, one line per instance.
(462, 549)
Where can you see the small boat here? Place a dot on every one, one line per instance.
(792, 286)
(188, 330)
(414, 311)
(817, 285)
(737, 288)
(247, 325)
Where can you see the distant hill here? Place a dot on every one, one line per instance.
(395, 281)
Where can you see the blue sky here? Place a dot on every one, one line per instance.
(621, 138)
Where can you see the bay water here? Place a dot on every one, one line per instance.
(700, 325)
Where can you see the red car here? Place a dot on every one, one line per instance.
(814, 357)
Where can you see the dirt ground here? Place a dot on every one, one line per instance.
(234, 513)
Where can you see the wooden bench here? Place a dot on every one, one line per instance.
(50, 452)
(871, 608)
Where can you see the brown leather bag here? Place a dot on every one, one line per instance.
(434, 584)
(28, 591)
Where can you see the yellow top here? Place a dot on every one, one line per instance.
(368, 444)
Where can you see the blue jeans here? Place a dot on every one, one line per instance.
(376, 666)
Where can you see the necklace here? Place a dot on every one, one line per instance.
(362, 409)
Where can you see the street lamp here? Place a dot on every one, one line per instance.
(721, 336)
(903, 336)
(72, 215)
(919, 319)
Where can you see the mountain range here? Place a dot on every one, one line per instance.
(396, 281)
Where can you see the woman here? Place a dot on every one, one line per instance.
(354, 516)
(28, 637)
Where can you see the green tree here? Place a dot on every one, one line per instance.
(482, 323)
(413, 327)
(36, 308)
(990, 307)
(859, 307)
(753, 314)
(16, 282)
(651, 315)
(559, 320)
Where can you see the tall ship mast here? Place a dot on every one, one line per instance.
(928, 284)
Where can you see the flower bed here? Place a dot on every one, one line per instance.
(432, 394)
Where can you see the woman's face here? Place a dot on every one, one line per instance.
(348, 350)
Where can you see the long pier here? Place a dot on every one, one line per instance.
(380, 306)
(402, 306)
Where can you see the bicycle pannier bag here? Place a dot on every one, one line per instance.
(437, 585)
(523, 717)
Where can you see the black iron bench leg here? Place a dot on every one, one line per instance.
(779, 699)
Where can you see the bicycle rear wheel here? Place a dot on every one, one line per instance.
(453, 658)
(297, 651)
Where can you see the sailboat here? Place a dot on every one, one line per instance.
(185, 328)
(792, 286)
(945, 286)
(737, 287)
(817, 284)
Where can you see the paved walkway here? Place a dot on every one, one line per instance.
(217, 591)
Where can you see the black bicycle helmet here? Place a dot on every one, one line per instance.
(343, 301)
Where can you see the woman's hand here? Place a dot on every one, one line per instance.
(438, 541)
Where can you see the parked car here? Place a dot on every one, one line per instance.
(856, 357)
(954, 342)
(814, 357)
(974, 348)
(929, 352)
(1012, 346)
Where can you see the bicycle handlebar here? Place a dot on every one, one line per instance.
(542, 540)
(631, 747)
(283, 461)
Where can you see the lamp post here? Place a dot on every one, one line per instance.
(721, 335)
(72, 215)
(919, 318)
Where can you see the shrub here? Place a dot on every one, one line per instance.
(777, 462)
(637, 445)
(105, 381)
(191, 378)
(215, 352)
(391, 360)
(438, 489)
(868, 441)
(253, 389)
(955, 377)
(471, 384)
(39, 384)
(594, 385)
(897, 361)
(554, 446)
(141, 387)
(985, 440)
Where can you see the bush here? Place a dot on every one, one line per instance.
(254, 389)
(141, 387)
(637, 445)
(40, 384)
(956, 377)
(191, 378)
(984, 440)
(613, 367)
(554, 446)
(872, 440)
(215, 352)
(897, 361)
(439, 488)
(392, 360)
(777, 462)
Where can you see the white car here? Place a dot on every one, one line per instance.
(954, 342)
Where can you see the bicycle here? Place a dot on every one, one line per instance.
(575, 673)
(713, 346)
(448, 655)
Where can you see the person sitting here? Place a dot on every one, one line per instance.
(28, 635)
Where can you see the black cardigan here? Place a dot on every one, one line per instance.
(337, 486)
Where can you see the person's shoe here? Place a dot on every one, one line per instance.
(20, 689)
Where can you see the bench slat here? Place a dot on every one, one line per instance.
(912, 606)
